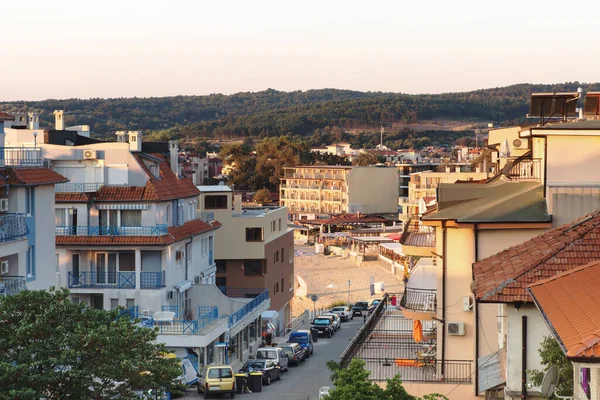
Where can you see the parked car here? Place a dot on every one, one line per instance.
(216, 379)
(267, 368)
(275, 354)
(304, 339)
(343, 312)
(375, 302)
(296, 354)
(337, 321)
(324, 324)
(359, 307)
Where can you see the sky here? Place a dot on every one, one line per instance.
(127, 48)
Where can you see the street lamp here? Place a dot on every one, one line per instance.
(34, 139)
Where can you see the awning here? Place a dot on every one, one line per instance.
(183, 286)
(121, 206)
(269, 314)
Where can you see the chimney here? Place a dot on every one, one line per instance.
(120, 137)
(59, 123)
(237, 204)
(33, 120)
(478, 169)
(447, 169)
(457, 169)
(135, 140)
(174, 156)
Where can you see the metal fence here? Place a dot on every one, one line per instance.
(419, 299)
(11, 285)
(206, 315)
(171, 308)
(13, 227)
(157, 230)
(205, 216)
(419, 369)
(21, 156)
(526, 169)
(95, 279)
(152, 280)
(70, 187)
(240, 314)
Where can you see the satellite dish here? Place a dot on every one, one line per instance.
(549, 382)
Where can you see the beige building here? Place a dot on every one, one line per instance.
(253, 249)
(312, 191)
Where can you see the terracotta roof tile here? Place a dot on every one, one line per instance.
(176, 234)
(503, 277)
(570, 304)
(6, 117)
(124, 193)
(25, 176)
(72, 197)
(168, 186)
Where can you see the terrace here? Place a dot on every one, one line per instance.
(90, 230)
(13, 227)
(70, 187)
(11, 285)
(21, 157)
(115, 280)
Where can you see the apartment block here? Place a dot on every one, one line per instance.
(310, 192)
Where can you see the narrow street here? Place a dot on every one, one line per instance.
(303, 382)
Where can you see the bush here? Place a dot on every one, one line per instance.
(338, 303)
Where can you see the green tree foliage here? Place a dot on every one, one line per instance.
(51, 348)
(552, 354)
(352, 382)
(262, 196)
(366, 159)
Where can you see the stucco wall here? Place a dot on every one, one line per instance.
(45, 243)
(373, 190)
(496, 240)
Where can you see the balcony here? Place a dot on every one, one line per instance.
(115, 280)
(523, 169)
(13, 227)
(157, 230)
(11, 285)
(207, 217)
(21, 157)
(419, 300)
(77, 187)
(240, 314)
(205, 316)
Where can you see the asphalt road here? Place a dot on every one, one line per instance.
(303, 382)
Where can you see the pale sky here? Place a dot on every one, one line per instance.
(62, 49)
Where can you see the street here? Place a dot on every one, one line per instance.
(303, 382)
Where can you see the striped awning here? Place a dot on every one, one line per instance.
(121, 206)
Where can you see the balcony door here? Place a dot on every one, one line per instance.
(108, 220)
(106, 268)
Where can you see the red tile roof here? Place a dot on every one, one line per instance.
(168, 186)
(504, 277)
(176, 234)
(570, 304)
(72, 197)
(124, 193)
(6, 117)
(26, 176)
(346, 219)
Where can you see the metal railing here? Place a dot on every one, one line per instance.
(526, 169)
(170, 308)
(11, 285)
(157, 230)
(21, 156)
(206, 315)
(418, 369)
(240, 314)
(205, 216)
(77, 187)
(132, 313)
(13, 227)
(296, 322)
(241, 293)
(152, 280)
(419, 299)
(100, 280)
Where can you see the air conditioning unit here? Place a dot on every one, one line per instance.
(3, 205)
(196, 279)
(518, 143)
(89, 154)
(3, 267)
(456, 328)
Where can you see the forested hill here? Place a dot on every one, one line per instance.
(271, 112)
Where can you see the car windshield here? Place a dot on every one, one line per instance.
(338, 309)
(299, 339)
(288, 350)
(266, 355)
(321, 321)
(216, 373)
(255, 364)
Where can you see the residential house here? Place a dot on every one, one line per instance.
(407, 168)
(569, 304)
(310, 192)
(253, 249)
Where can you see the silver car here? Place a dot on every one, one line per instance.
(343, 312)
(337, 323)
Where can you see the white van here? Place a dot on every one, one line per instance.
(275, 354)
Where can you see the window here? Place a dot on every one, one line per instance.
(30, 263)
(254, 267)
(274, 289)
(254, 235)
(221, 266)
(279, 223)
(277, 287)
(215, 202)
(291, 282)
(130, 303)
(120, 218)
(168, 213)
(131, 217)
(60, 217)
(192, 210)
(282, 284)
(277, 256)
(75, 265)
(114, 304)
(282, 255)
(273, 226)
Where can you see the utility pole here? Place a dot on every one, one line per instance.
(381, 145)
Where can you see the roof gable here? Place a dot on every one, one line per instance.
(31, 176)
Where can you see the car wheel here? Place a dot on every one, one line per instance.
(329, 334)
(206, 395)
(279, 376)
(232, 395)
(268, 380)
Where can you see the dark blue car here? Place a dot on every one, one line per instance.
(304, 339)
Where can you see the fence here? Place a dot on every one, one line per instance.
(131, 313)
(419, 369)
(205, 216)
(419, 299)
(21, 156)
(524, 169)
(13, 227)
(11, 285)
(171, 308)
(206, 315)
(295, 323)
(95, 279)
(77, 187)
(152, 280)
(158, 230)
(247, 308)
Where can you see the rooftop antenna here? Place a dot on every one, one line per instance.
(381, 145)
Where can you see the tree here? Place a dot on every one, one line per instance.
(51, 348)
(552, 354)
(366, 159)
(262, 196)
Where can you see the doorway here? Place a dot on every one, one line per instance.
(98, 301)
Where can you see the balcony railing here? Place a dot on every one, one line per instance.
(152, 280)
(526, 169)
(206, 216)
(101, 280)
(77, 187)
(21, 157)
(418, 369)
(13, 227)
(11, 285)
(248, 308)
(206, 315)
(241, 293)
(157, 230)
(419, 299)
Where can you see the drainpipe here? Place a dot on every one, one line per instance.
(444, 273)
(476, 313)
(524, 357)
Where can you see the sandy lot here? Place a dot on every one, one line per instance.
(320, 271)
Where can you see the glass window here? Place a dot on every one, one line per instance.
(282, 255)
(254, 267)
(114, 304)
(127, 261)
(282, 285)
(277, 287)
(221, 266)
(130, 303)
(279, 223)
(131, 218)
(254, 235)
(215, 202)
(60, 217)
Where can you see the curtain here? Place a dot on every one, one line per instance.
(60, 217)
(131, 218)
